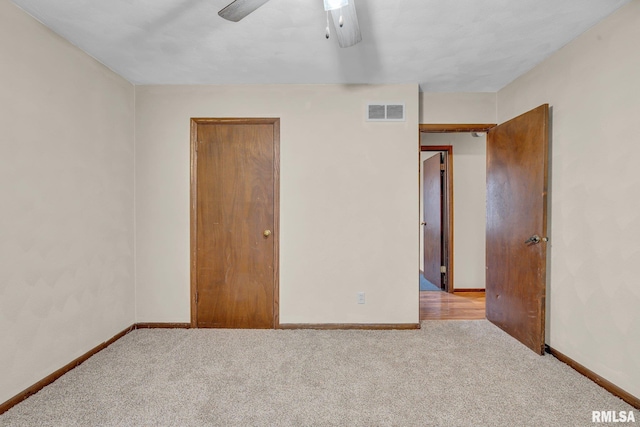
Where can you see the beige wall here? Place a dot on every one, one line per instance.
(66, 228)
(469, 205)
(593, 87)
(349, 199)
(457, 107)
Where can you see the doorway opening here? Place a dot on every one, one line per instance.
(464, 297)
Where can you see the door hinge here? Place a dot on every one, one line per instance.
(441, 166)
(196, 297)
(443, 269)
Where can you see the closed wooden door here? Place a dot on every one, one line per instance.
(432, 219)
(234, 222)
(517, 161)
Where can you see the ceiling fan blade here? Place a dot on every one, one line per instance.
(349, 34)
(240, 8)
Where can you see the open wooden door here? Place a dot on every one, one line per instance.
(432, 219)
(517, 153)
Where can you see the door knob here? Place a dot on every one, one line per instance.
(533, 239)
(266, 233)
(423, 223)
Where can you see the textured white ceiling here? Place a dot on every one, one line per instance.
(444, 45)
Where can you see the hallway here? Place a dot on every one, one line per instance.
(438, 305)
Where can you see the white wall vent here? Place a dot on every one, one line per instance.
(385, 112)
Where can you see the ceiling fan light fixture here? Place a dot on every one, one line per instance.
(334, 4)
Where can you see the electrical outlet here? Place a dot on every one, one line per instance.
(360, 297)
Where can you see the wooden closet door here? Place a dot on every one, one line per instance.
(234, 216)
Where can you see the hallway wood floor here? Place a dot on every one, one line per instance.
(436, 305)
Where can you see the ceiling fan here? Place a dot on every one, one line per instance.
(343, 13)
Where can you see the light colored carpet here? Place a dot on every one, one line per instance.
(449, 373)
